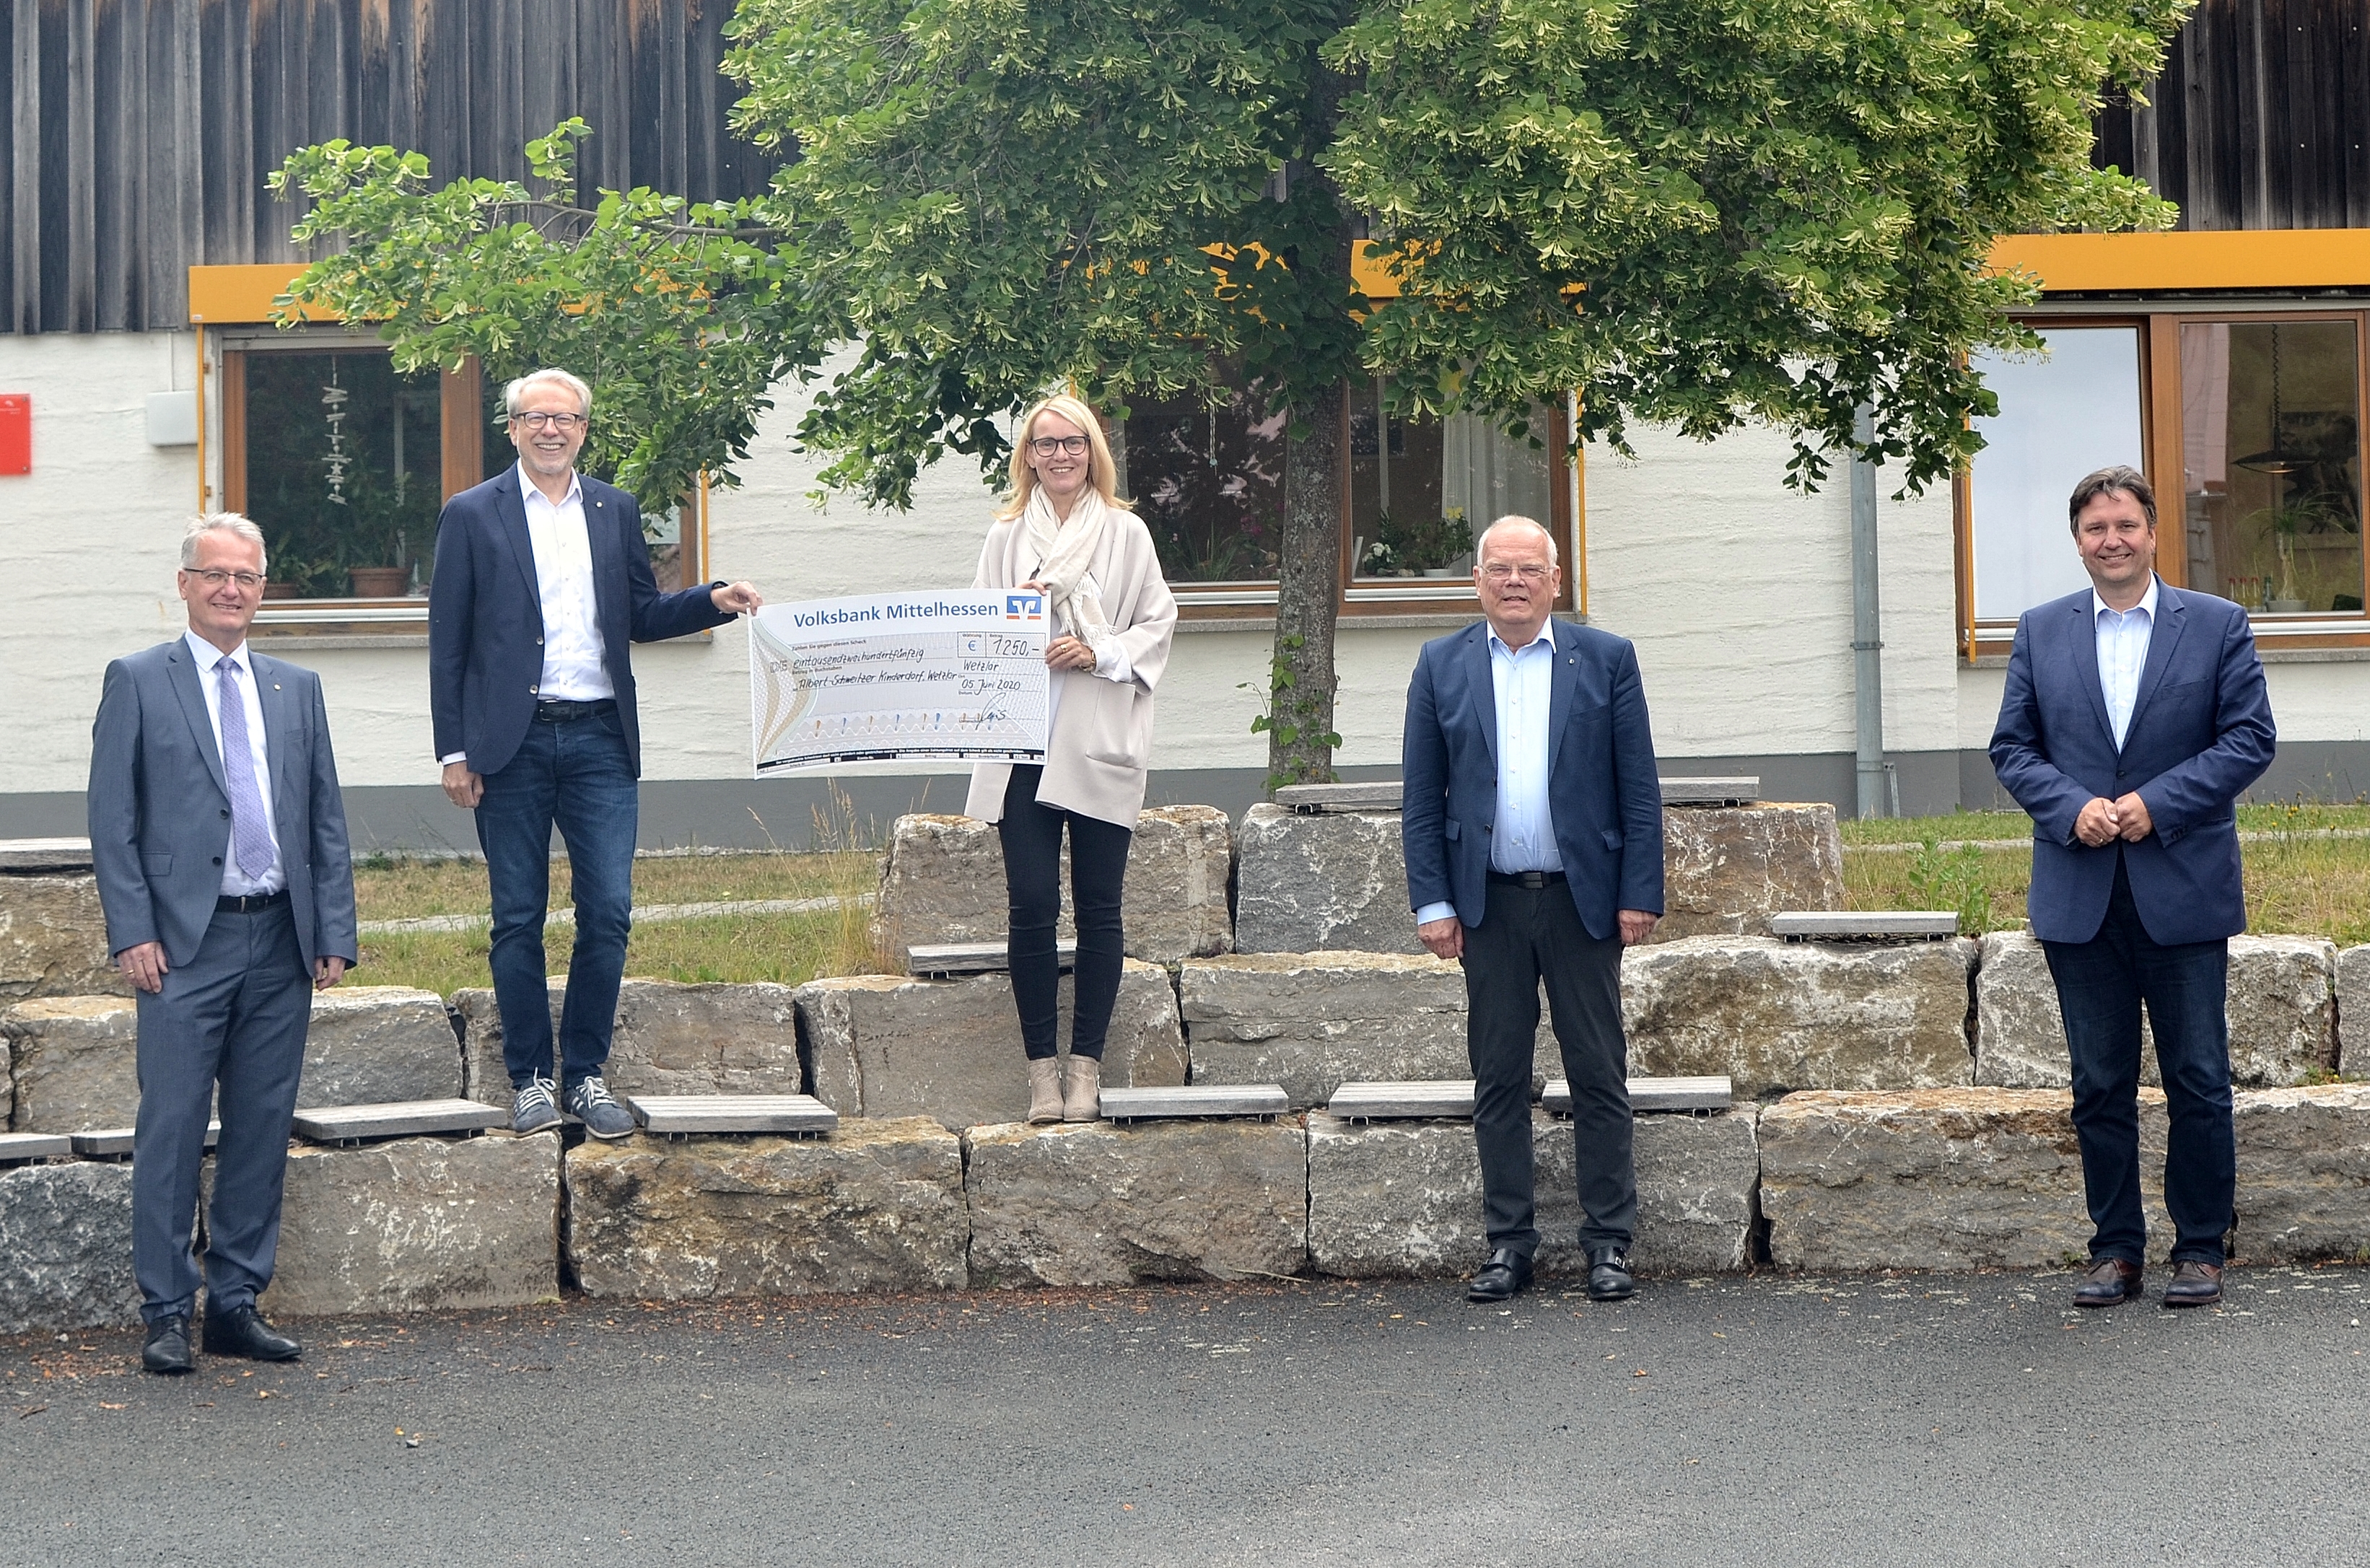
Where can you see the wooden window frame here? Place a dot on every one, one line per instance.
(461, 427)
(2161, 445)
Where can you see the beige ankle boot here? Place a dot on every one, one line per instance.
(1082, 1094)
(1044, 1089)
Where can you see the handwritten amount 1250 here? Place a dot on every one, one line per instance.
(988, 644)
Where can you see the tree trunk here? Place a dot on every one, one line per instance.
(1301, 739)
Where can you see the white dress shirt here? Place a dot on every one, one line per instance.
(1523, 838)
(575, 669)
(2122, 654)
(208, 659)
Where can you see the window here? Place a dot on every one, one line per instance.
(345, 465)
(2248, 423)
(1210, 485)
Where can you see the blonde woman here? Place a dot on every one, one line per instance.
(1065, 531)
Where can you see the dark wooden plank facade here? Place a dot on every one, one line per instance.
(2260, 119)
(135, 134)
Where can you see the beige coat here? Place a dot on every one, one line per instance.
(1102, 744)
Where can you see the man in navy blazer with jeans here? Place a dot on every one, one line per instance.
(1532, 821)
(2134, 714)
(543, 578)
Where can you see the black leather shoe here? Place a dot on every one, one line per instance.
(167, 1350)
(242, 1331)
(2194, 1284)
(1608, 1274)
(1505, 1276)
(2109, 1283)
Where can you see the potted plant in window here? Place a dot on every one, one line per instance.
(381, 520)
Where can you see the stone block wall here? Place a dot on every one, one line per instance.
(670, 1039)
(886, 1046)
(65, 1248)
(73, 1060)
(53, 940)
(942, 880)
(1311, 1021)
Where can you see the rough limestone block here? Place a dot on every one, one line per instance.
(670, 1039)
(878, 1206)
(1938, 1179)
(2354, 1011)
(2304, 1173)
(1311, 1021)
(1304, 883)
(1090, 1203)
(65, 1248)
(2282, 1011)
(887, 1046)
(1404, 1198)
(370, 1044)
(1309, 883)
(75, 1061)
(1728, 869)
(943, 881)
(419, 1224)
(1776, 1015)
(54, 939)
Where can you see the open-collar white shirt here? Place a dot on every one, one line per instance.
(574, 666)
(2124, 638)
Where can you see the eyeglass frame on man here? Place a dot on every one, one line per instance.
(539, 418)
(214, 576)
(1046, 446)
(1501, 571)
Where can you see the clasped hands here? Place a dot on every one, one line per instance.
(1446, 938)
(2103, 821)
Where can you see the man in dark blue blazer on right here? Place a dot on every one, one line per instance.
(2134, 714)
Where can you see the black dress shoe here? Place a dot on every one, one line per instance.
(1608, 1274)
(241, 1331)
(1505, 1276)
(2110, 1282)
(2194, 1284)
(167, 1350)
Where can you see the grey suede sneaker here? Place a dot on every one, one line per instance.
(592, 1104)
(535, 1107)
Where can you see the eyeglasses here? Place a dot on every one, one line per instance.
(214, 576)
(1046, 446)
(1499, 572)
(538, 420)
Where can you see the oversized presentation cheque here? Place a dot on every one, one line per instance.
(959, 675)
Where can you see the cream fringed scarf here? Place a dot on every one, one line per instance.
(1064, 552)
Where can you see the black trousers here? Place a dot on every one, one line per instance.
(1033, 879)
(1527, 935)
(2102, 984)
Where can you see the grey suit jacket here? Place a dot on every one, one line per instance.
(160, 809)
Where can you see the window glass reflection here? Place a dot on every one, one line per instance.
(344, 473)
(1209, 485)
(1421, 490)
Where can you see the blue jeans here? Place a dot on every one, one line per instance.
(2101, 986)
(574, 776)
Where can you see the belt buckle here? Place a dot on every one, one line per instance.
(1534, 880)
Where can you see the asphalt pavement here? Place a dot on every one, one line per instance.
(1931, 1419)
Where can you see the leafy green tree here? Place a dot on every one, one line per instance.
(1709, 212)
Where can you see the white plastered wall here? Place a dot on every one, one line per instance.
(1738, 593)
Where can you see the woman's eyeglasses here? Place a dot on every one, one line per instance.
(1046, 446)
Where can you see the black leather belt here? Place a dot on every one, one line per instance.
(1527, 878)
(248, 903)
(561, 712)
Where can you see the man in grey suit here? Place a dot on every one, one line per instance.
(220, 844)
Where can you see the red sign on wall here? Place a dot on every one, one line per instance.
(16, 433)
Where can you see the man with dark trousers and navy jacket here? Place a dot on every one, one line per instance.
(543, 577)
(2134, 714)
(1533, 820)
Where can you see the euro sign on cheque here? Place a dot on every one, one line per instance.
(957, 675)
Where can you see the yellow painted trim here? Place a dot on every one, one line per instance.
(2263, 259)
(220, 294)
(1370, 272)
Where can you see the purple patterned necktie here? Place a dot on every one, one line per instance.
(250, 838)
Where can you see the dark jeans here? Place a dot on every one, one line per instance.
(572, 774)
(2100, 985)
(235, 1018)
(1032, 876)
(1527, 935)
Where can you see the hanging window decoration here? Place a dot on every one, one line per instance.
(333, 398)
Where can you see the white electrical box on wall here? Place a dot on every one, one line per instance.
(172, 418)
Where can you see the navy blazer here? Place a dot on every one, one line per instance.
(485, 616)
(160, 806)
(2200, 732)
(1603, 790)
